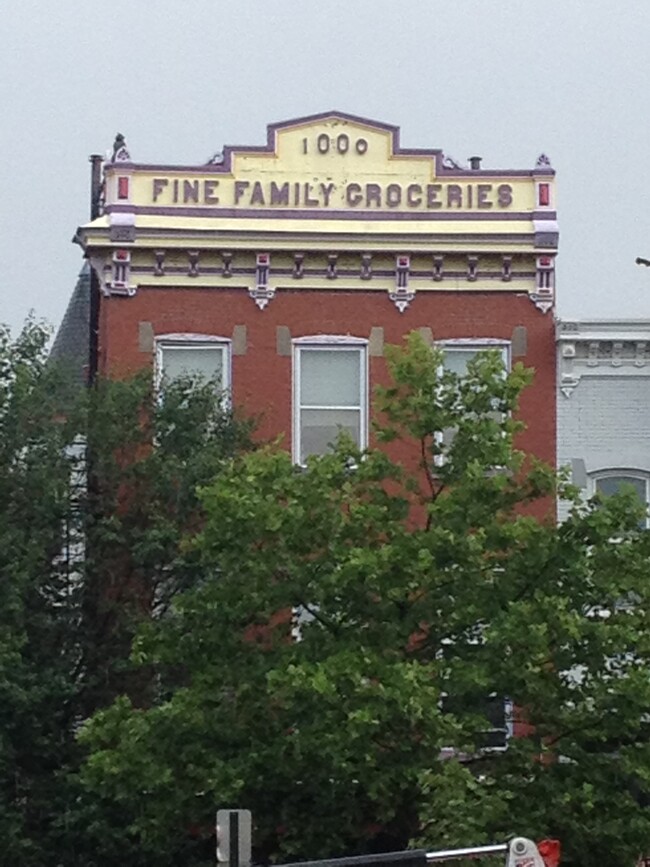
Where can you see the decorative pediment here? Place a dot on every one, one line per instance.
(329, 164)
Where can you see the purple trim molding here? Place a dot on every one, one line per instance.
(367, 289)
(270, 147)
(285, 273)
(352, 214)
(222, 233)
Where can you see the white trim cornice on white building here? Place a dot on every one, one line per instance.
(603, 348)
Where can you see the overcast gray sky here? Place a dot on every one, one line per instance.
(506, 79)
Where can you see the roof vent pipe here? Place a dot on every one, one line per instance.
(475, 163)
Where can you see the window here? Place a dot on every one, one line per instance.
(499, 719)
(330, 394)
(608, 483)
(499, 712)
(202, 357)
(457, 355)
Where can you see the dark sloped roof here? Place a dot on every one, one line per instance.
(71, 344)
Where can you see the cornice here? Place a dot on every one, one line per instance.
(602, 329)
(602, 348)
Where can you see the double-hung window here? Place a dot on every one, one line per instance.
(457, 355)
(330, 393)
(203, 358)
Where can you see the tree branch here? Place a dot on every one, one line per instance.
(315, 613)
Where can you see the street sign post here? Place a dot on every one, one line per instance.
(234, 837)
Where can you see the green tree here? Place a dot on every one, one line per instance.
(92, 517)
(331, 669)
(146, 458)
(38, 611)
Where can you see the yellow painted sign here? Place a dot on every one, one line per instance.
(329, 164)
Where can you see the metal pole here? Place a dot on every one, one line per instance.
(407, 858)
(471, 852)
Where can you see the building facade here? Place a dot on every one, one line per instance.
(284, 269)
(604, 405)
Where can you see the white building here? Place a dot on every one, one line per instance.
(603, 418)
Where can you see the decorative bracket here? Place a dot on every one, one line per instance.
(226, 258)
(193, 258)
(639, 354)
(592, 353)
(262, 293)
(542, 302)
(617, 353)
(544, 295)
(569, 380)
(114, 273)
(402, 296)
(120, 283)
(159, 267)
(568, 383)
(366, 266)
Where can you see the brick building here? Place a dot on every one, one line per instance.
(284, 269)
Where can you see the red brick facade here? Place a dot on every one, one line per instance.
(262, 378)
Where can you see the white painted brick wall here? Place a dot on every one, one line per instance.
(606, 423)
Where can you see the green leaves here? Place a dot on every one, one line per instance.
(341, 637)
(427, 400)
(92, 522)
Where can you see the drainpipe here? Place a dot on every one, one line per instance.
(93, 323)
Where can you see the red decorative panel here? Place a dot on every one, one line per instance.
(544, 194)
(122, 188)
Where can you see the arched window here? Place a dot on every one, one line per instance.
(608, 482)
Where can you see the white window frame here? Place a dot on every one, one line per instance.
(618, 473)
(477, 344)
(169, 342)
(330, 343)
